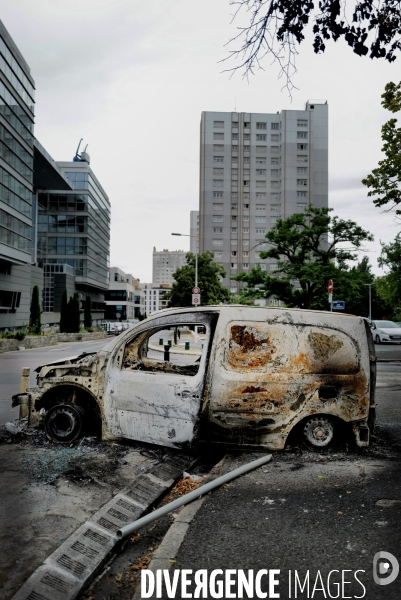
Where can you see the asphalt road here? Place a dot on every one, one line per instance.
(11, 364)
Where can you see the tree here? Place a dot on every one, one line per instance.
(276, 28)
(88, 312)
(389, 286)
(64, 313)
(35, 325)
(307, 247)
(73, 314)
(385, 181)
(209, 281)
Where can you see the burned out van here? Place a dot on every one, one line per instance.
(237, 375)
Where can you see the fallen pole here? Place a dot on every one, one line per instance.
(201, 491)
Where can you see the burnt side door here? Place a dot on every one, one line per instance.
(150, 399)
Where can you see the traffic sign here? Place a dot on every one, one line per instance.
(330, 286)
(330, 297)
(338, 305)
(196, 290)
(196, 299)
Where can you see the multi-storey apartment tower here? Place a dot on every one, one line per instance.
(254, 169)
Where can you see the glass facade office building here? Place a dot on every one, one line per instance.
(73, 235)
(17, 101)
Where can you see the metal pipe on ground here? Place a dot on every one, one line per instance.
(201, 491)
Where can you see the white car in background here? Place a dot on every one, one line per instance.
(386, 331)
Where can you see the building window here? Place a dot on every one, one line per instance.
(302, 146)
(233, 242)
(245, 253)
(233, 230)
(275, 137)
(217, 206)
(218, 255)
(233, 217)
(245, 265)
(260, 137)
(260, 183)
(302, 158)
(245, 242)
(233, 253)
(246, 182)
(275, 207)
(245, 218)
(260, 196)
(274, 219)
(261, 231)
(218, 171)
(261, 125)
(275, 172)
(218, 148)
(274, 161)
(233, 289)
(234, 136)
(246, 124)
(302, 170)
(260, 171)
(275, 149)
(218, 182)
(261, 161)
(218, 124)
(302, 182)
(234, 206)
(234, 183)
(246, 206)
(218, 159)
(234, 148)
(246, 195)
(217, 242)
(275, 184)
(234, 124)
(302, 123)
(302, 194)
(234, 194)
(234, 171)
(217, 194)
(234, 159)
(233, 265)
(302, 135)
(247, 171)
(263, 267)
(275, 125)
(218, 136)
(245, 230)
(217, 218)
(246, 159)
(273, 267)
(217, 230)
(247, 136)
(246, 148)
(261, 208)
(260, 219)
(302, 205)
(260, 149)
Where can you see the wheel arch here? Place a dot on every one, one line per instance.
(74, 394)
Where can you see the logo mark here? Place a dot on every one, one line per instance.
(385, 564)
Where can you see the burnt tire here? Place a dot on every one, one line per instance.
(318, 433)
(64, 423)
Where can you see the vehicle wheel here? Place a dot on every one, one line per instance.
(377, 339)
(64, 423)
(318, 433)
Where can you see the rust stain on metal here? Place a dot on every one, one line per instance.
(252, 389)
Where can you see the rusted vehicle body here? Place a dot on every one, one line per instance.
(261, 373)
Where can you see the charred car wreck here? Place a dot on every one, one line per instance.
(261, 373)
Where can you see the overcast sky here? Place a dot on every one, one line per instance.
(132, 78)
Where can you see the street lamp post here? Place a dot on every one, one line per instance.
(196, 253)
(370, 299)
(196, 270)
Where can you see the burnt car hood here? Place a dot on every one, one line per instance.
(66, 360)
